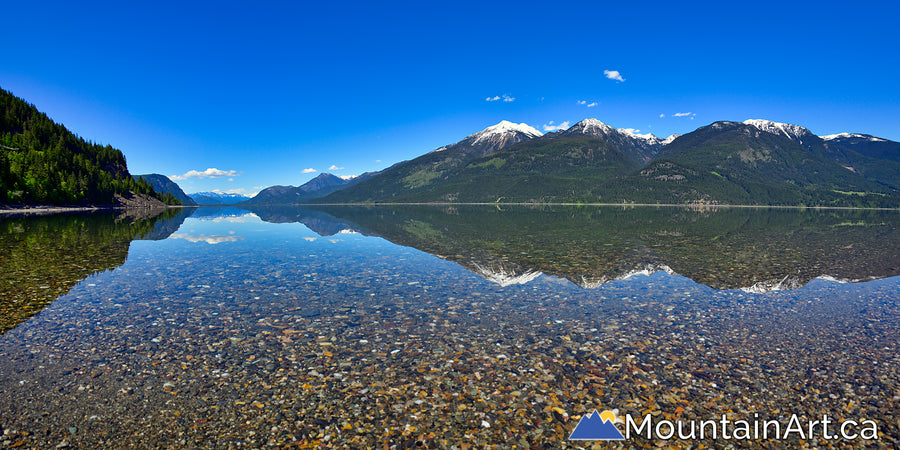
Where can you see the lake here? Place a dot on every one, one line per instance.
(439, 326)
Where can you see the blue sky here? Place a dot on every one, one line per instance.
(263, 90)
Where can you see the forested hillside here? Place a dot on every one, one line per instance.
(41, 162)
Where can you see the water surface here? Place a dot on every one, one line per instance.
(355, 327)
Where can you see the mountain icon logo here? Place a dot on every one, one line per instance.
(597, 427)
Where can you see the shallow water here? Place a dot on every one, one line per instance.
(440, 328)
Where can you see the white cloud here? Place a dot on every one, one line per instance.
(631, 130)
(591, 105)
(334, 167)
(211, 172)
(310, 170)
(661, 116)
(582, 102)
(684, 114)
(551, 127)
(347, 177)
(613, 75)
(504, 97)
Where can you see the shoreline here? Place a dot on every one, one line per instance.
(35, 210)
(665, 205)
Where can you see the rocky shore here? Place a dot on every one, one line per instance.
(128, 201)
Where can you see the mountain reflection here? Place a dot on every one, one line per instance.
(43, 257)
(756, 249)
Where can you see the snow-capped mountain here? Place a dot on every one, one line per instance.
(217, 198)
(866, 144)
(798, 133)
(842, 148)
(591, 127)
(608, 158)
(669, 139)
(795, 133)
(640, 147)
(849, 136)
(496, 137)
(503, 129)
(649, 137)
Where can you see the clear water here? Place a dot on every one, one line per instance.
(440, 328)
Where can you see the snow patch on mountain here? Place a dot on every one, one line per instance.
(592, 126)
(793, 132)
(669, 139)
(649, 137)
(853, 135)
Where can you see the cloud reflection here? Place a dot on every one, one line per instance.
(211, 239)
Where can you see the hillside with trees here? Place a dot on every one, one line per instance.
(42, 162)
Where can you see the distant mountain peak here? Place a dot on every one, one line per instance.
(639, 147)
(592, 127)
(792, 132)
(502, 128)
(669, 139)
(650, 137)
(321, 181)
(867, 137)
(324, 176)
(220, 194)
(217, 198)
(493, 138)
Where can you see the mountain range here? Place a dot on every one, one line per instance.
(756, 162)
(217, 198)
(319, 186)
